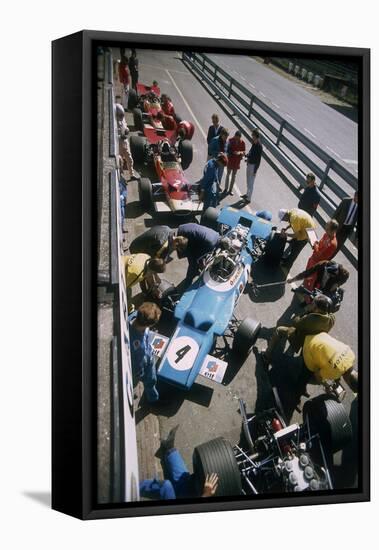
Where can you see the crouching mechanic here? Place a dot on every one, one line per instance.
(141, 350)
(180, 483)
(299, 222)
(318, 320)
(327, 359)
(159, 242)
(140, 268)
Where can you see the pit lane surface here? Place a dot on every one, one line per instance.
(331, 130)
(210, 410)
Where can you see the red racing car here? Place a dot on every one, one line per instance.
(173, 192)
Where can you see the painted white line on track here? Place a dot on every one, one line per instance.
(333, 152)
(202, 131)
(252, 85)
(350, 161)
(310, 133)
(276, 105)
(291, 117)
(262, 94)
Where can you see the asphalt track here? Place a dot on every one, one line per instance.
(323, 124)
(210, 410)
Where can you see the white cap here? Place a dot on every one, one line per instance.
(282, 213)
(120, 111)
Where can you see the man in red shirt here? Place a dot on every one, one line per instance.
(167, 121)
(235, 150)
(123, 76)
(185, 129)
(167, 105)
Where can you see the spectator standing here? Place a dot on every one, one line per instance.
(123, 76)
(216, 146)
(235, 151)
(133, 68)
(253, 162)
(214, 129)
(141, 350)
(346, 215)
(210, 183)
(311, 196)
(299, 222)
(123, 141)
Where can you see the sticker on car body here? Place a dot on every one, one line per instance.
(182, 352)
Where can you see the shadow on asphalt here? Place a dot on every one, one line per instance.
(262, 274)
(346, 110)
(134, 210)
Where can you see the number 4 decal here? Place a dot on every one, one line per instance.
(181, 353)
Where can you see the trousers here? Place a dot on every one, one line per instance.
(250, 179)
(232, 180)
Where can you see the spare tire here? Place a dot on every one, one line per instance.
(132, 99)
(246, 336)
(145, 191)
(217, 456)
(209, 218)
(328, 418)
(185, 152)
(138, 149)
(274, 249)
(138, 120)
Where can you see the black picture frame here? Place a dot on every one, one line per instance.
(74, 284)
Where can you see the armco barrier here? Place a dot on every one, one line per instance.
(248, 111)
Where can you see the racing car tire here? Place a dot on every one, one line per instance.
(137, 149)
(145, 191)
(132, 99)
(217, 456)
(246, 336)
(328, 418)
(186, 153)
(138, 120)
(274, 249)
(209, 218)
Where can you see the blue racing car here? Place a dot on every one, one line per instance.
(205, 310)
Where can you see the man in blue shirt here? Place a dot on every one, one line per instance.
(210, 182)
(201, 240)
(141, 350)
(180, 483)
(311, 196)
(216, 146)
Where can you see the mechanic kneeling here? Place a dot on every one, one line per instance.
(318, 320)
(325, 358)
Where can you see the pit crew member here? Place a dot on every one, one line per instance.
(318, 320)
(299, 222)
(159, 242)
(141, 268)
(311, 196)
(141, 350)
(210, 182)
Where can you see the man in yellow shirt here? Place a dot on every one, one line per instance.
(141, 268)
(299, 222)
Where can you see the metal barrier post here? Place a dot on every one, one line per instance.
(325, 174)
(230, 87)
(283, 123)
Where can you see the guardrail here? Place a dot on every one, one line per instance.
(295, 152)
(254, 110)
